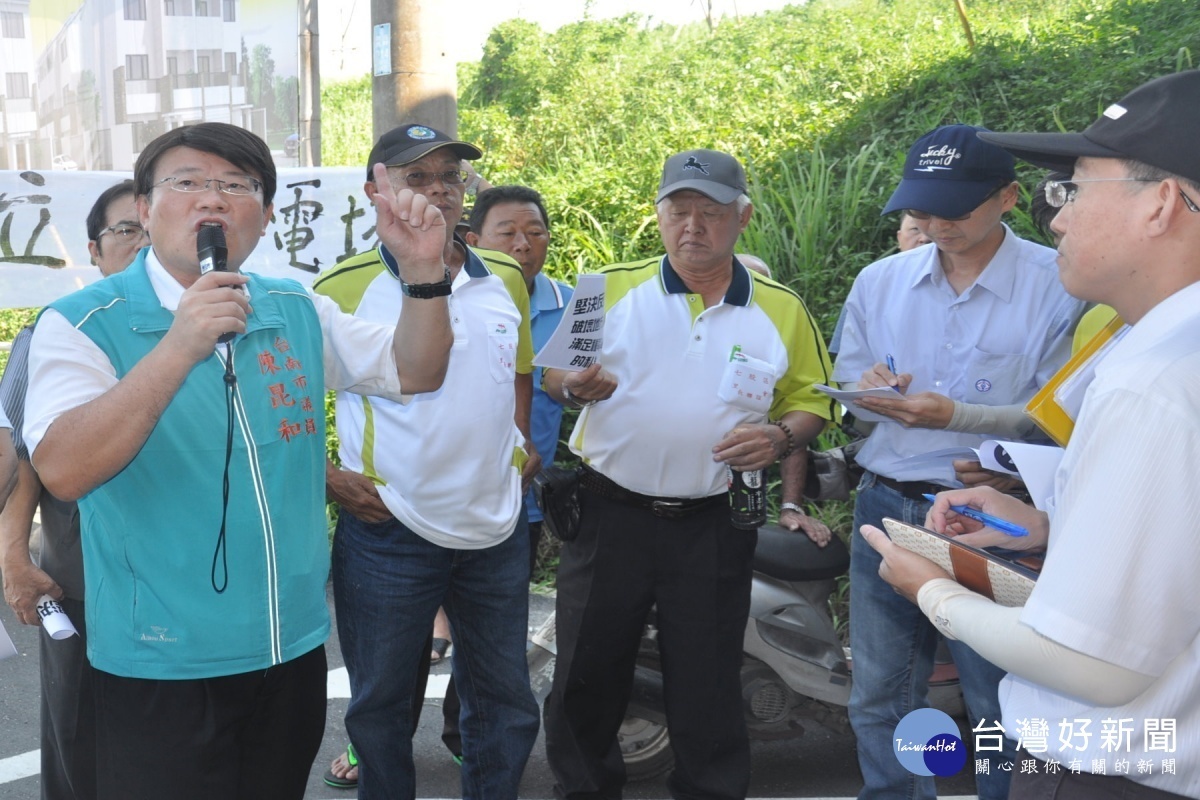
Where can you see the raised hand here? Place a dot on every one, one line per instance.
(412, 229)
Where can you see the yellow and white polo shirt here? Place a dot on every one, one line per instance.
(448, 463)
(687, 375)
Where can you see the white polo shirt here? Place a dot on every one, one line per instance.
(447, 463)
(1120, 573)
(995, 344)
(676, 373)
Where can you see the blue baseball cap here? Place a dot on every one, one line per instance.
(950, 171)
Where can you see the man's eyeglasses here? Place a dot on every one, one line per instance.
(924, 215)
(1059, 193)
(239, 188)
(126, 232)
(454, 177)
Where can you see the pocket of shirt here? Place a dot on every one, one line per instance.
(748, 383)
(998, 379)
(502, 355)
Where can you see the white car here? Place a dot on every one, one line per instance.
(63, 161)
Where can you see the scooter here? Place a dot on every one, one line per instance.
(795, 670)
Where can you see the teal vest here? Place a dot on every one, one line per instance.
(149, 533)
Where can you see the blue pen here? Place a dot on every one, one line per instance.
(987, 519)
(891, 364)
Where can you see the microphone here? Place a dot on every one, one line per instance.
(214, 255)
(210, 247)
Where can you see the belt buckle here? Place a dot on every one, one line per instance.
(668, 509)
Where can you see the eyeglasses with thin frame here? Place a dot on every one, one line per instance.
(924, 215)
(1059, 193)
(453, 177)
(238, 188)
(124, 232)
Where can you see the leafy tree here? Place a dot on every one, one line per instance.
(260, 80)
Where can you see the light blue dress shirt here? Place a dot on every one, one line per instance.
(996, 343)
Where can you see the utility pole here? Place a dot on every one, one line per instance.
(414, 75)
(310, 86)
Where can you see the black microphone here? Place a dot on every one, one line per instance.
(214, 255)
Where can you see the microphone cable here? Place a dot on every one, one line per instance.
(221, 552)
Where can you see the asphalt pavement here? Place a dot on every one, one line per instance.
(820, 764)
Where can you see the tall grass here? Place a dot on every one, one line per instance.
(811, 218)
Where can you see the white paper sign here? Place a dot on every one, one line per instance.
(381, 49)
(577, 341)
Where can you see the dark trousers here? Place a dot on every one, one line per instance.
(1041, 784)
(251, 736)
(68, 713)
(697, 571)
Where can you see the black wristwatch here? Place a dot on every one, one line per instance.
(424, 291)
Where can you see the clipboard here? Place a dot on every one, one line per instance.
(1051, 408)
(1008, 583)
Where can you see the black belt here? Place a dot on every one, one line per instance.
(668, 507)
(913, 490)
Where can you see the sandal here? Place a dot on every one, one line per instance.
(343, 783)
(440, 646)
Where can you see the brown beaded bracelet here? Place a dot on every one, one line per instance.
(787, 432)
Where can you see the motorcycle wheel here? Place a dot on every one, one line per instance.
(645, 748)
(645, 744)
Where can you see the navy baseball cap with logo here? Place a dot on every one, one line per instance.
(407, 143)
(950, 171)
(1157, 123)
(712, 173)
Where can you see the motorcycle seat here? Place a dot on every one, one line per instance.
(792, 556)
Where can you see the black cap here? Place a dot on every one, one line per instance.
(949, 172)
(1157, 124)
(712, 173)
(407, 143)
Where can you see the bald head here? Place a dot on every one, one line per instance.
(755, 263)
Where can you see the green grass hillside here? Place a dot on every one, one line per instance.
(820, 101)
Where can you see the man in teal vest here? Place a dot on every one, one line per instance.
(198, 465)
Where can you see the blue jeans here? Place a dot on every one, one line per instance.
(388, 583)
(892, 644)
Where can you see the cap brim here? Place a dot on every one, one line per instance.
(461, 149)
(942, 198)
(718, 192)
(1053, 151)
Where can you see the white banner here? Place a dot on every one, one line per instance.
(321, 217)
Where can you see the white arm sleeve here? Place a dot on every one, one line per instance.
(996, 633)
(1008, 422)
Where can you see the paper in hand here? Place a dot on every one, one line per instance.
(847, 397)
(577, 341)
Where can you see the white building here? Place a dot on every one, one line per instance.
(18, 115)
(120, 72)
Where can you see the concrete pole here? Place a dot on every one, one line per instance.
(310, 86)
(414, 75)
